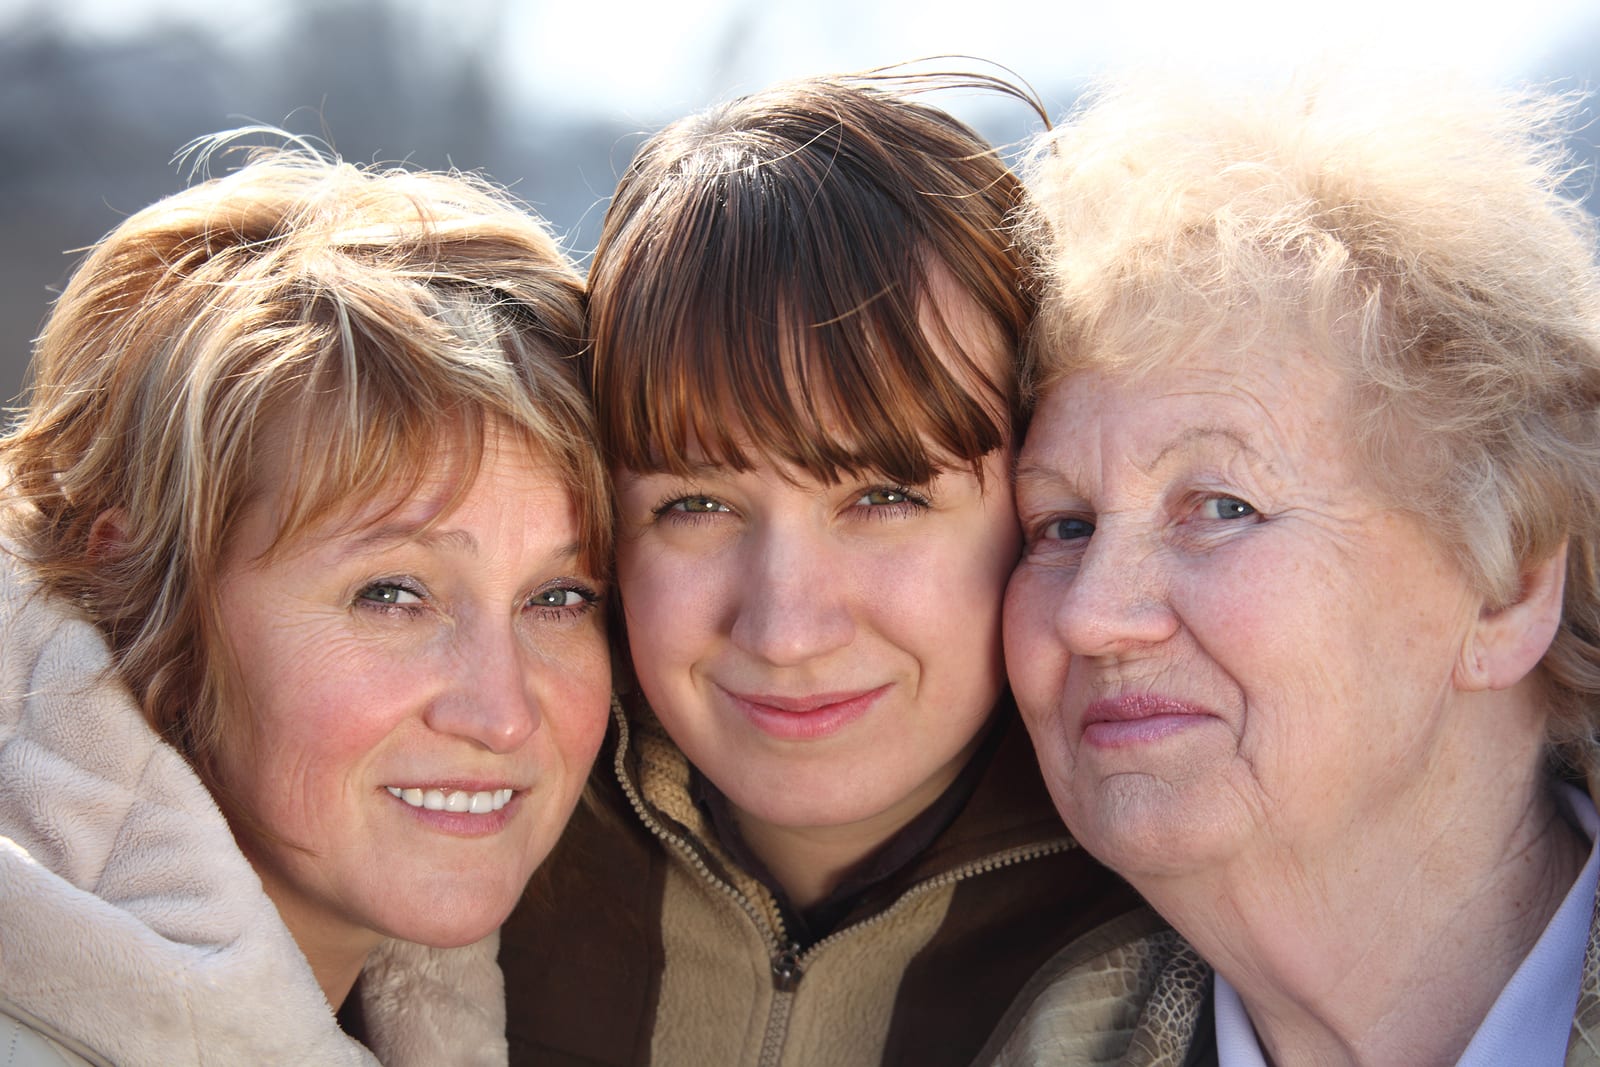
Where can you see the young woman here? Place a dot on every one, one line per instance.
(306, 466)
(824, 839)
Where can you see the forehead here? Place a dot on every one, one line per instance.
(1271, 401)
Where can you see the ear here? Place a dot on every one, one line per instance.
(108, 536)
(1508, 642)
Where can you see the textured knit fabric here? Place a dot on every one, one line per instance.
(132, 929)
(643, 943)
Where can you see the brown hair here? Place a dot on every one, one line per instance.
(766, 265)
(357, 315)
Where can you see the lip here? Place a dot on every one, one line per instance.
(1138, 718)
(463, 823)
(807, 717)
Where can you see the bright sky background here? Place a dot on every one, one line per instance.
(650, 60)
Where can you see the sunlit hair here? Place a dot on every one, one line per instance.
(1424, 237)
(756, 291)
(359, 323)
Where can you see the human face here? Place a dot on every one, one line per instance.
(826, 654)
(388, 667)
(1221, 637)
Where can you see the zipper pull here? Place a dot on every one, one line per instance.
(786, 969)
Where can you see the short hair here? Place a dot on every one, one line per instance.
(762, 268)
(356, 315)
(1426, 238)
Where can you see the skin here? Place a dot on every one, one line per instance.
(466, 657)
(1253, 684)
(826, 654)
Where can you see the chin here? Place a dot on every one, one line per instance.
(1143, 827)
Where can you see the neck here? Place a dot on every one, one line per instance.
(810, 862)
(335, 950)
(1341, 953)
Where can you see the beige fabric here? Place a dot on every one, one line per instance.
(703, 935)
(130, 922)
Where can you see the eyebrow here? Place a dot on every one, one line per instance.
(1195, 434)
(1037, 477)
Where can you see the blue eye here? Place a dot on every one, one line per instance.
(1225, 507)
(1068, 529)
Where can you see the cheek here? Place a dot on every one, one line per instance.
(1034, 654)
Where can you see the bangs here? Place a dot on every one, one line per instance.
(756, 326)
(369, 418)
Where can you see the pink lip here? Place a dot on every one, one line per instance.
(463, 824)
(1138, 718)
(808, 717)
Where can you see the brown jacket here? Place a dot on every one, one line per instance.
(643, 943)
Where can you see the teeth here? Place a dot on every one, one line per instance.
(453, 800)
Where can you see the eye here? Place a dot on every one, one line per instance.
(1225, 507)
(886, 495)
(1068, 529)
(561, 596)
(389, 594)
(563, 601)
(694, 505)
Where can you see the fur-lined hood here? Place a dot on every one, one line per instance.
(133, 930)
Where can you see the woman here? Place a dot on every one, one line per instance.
(824, 840)
(307, 465)
(1305, 628)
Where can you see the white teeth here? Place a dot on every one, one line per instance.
(455, 800)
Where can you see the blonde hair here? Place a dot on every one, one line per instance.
(1424, 237)
(364, 316)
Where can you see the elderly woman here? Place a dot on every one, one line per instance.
(306, 465)
(1305, 628)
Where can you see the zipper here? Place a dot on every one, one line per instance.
(788, 961)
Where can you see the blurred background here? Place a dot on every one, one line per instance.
(98, 96)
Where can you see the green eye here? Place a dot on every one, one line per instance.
(698, 505)
(388, 594)
(889, 496)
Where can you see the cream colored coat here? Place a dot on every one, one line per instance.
(132, 929)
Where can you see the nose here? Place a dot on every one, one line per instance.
(489, 698)
(1116, 601)
(793, 603)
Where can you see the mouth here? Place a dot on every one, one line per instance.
(456, 801)
(805, 718)
(807, 705)
(1137, 719)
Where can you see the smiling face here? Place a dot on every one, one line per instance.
(826, 653)
(1220, 636)
(425, 694)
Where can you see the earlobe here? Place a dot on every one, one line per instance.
(1508, 642)
(108, 536)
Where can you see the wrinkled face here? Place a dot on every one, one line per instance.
(1220, 636)
(423, 704)
(826, 654)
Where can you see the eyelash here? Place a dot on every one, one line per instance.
(588, 599)
(911, 502)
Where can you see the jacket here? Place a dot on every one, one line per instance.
(132, 928)
(644, 943)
